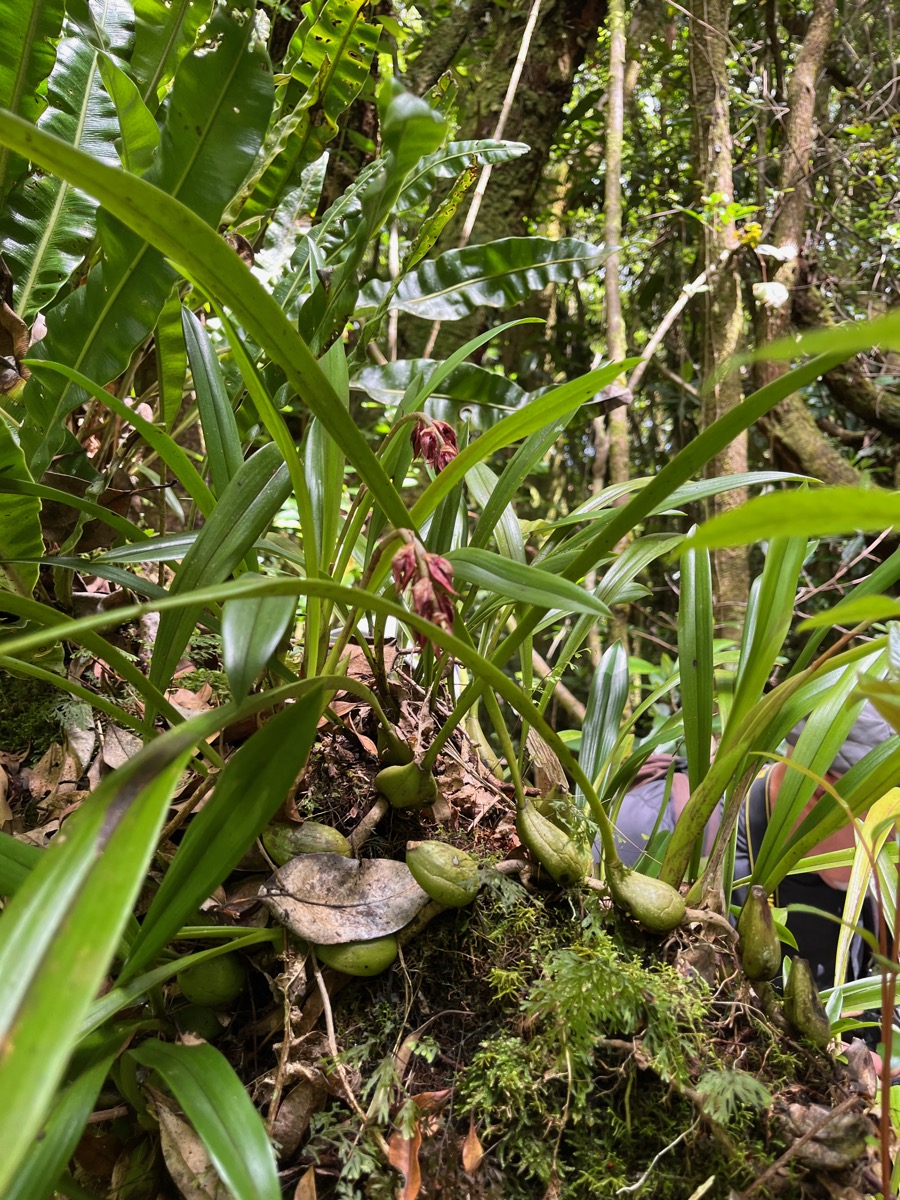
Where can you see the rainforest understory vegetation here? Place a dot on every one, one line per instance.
(415, 423)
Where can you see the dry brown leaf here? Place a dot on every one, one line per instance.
(294, 1115)
(472, 1151)
(43, 778)
(306, 1188)
(189, 703)
(329, 900)
(432, 1102)
(403, 1154)
(6, 813)
(186, 1159)
(119, 745)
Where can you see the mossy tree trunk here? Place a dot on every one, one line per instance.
(613, 429)
(724, 312)
(790, 426)
(566, 32)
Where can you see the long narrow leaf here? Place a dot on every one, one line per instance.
(62, 927)
(554, 406)
(17, 861)
(247, 507)
(188, 240)
(493, 274)
(220, 431)
(214, 1100)
(766, 626)
(164, 445)
(522, 583)
(30, 32)
(20, 520)
(247, 795)
(605, 707)
(215, 120)
(695, 661)
(878, 826)
(47, 1158)
(817, 512)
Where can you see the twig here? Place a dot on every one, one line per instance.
(707, 917)
(285, 1055)
(634, 1187)
(500, 127)
(484, 177)
(366, 826)
(339, 1066)
(108, 1114)
(186, 809)
(687, 292)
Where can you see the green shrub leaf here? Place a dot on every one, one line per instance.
(494, 275)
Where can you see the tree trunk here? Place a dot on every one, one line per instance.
(616, 423)
(849, 384)
(797, 441)
(724, 315)
(565, 32)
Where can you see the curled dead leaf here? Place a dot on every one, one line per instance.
(472, 1150)
(403, 1153)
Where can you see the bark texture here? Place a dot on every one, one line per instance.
(849, 384)
(796, 439)
(724, 315)
(566, 30)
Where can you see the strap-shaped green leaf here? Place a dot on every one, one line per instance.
(245, 509)
(493, 275)
(521, 583)
(769, 614)
(814, 512)
(449, 161)
(469, 385)
(20, 520)
(251, 632)
(410, 129)
(61, 929)
(214, 1101)
(17, 861)
(30, 31)
(171, 359)
(166, 447)
(324, 462)
(47, 224)
(555, 405)
(605, 706)
(51, 619)
(138, 131)
(220, 430)
(689, 493)
(247, 795)
(215, 120)
(47, 1158)
(182, 236)
(166, 31)
(695, 661)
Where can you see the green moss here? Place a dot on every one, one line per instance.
(32, 714)
(572, 1046)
